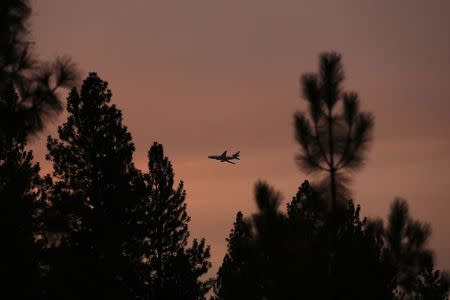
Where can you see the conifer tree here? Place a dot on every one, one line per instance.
(19, 181)
(277, 256)
(433, 284)
(36, 82)
(94, 191)
(235, 278)
(331, 141)
(406, 241)
(171, 269)
(252, 266)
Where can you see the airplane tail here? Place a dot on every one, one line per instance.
(236, 155)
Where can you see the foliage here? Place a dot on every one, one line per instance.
(406, 241)
(277, 256)
(331, 141)
(171, 270)
(19, 194)
(36, 82)
(93, 198)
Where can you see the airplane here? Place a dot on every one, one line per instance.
(225, 158)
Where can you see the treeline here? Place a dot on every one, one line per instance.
(320, 247)
(99, 228)
(292, 255)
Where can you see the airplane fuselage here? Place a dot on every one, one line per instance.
(221, 158)
(225, 158)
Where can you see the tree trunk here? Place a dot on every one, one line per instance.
(332, 166)
(333, 191)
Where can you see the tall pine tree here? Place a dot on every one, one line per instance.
(171, 269)
(94, 192)
(332, 140)
(19, 182)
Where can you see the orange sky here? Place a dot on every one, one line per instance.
(202, 76)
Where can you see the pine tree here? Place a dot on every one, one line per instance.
(235, 278)
(277, 256)
(94, 191)
(171, 269)
(19, 181)
(359, 264)
(36, 82)
(255, 265)
(331, 142)
(433, 284)
(406, 241)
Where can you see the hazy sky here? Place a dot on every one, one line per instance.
(202, 76)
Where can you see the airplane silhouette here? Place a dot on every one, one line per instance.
(224, 158)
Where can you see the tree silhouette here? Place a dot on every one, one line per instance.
(250, 269)
(331, 141)
(95, 193)
(277, 256)
(234, 278)
(171, 270)
(19, 180)
(412, 261)
(36, 82)
(28, 91)
(359, 265)
(433, 284)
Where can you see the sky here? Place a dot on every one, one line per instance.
(204, 76)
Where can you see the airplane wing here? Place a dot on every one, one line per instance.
(224, 154)
(228, 161)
